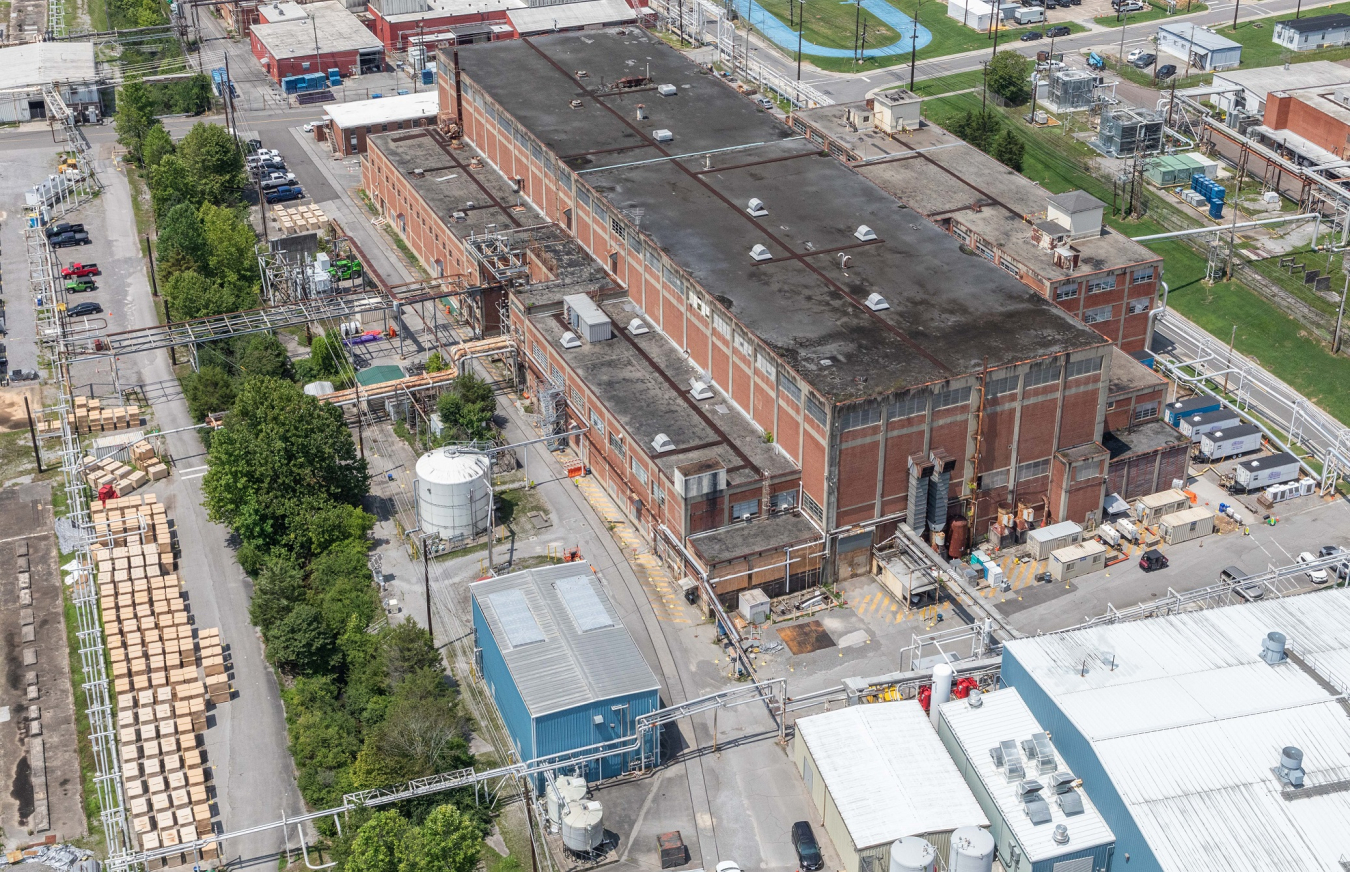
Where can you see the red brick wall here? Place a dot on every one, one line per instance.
(280, 69)
(1287, 113)
(1142, 474)
(1120, 407)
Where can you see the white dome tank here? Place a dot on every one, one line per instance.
(583, 826)
(972, 850)
(563, 791)
(913, 854)
(453, 492)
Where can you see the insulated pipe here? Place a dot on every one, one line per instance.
(1197, 231)
(942, 690)
(1153, 318)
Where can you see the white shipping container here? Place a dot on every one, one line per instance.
(1230, 442)
(1200, 423)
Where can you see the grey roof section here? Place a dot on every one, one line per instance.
(801, 303)
(1334, 21)
(1142, 438)
(774, 533)
(42, 63)
(336, 27)
(1076, 201)
(1198, 36)
(571, 666)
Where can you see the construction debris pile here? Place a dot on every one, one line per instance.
(165, 675)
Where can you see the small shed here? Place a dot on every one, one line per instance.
(1313, 32)
(1230, 442)
(1199, 48)
(876, 773)
(1150, 509)
(1053, 537)
(586, 318)
(1084, 558)
(1186, 525)
(1200, 423)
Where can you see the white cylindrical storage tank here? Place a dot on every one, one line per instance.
(563, 792)
(942, 689)
(453, 493)
(583, 826)
(913, 854)
(972, 850)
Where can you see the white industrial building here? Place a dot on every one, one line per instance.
(978, 14)
(25, 69)
(989, 736)
(877, 773)
(1198, 48)
(1313, 32)
(1246, 90)
(1210, 741)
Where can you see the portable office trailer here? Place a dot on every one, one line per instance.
(1077, 560)
(1253, 475)
(1200, 423)
(1187, 525)
(1053, 537)
(586, 318)
(1230, 442)
(1151, 508)
(1175, 411)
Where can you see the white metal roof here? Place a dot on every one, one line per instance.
(888, 772)
(570, 665)
(404, 107)
(542, 19)
(1054, 531)
(1263, 80)
(40, 63)
(1003, 715)
(1188, 722)
(336, 28)
(1077, 551)
(1199, 37)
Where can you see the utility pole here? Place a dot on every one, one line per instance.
(801, 16)
(1340, 316)
(426, 585)
(862, 46)
(857, 25)
(1236, 6)
(32, 433)
(314, 26)
(417, 73)
(1120, 55)
(914, 44)
(984, 88)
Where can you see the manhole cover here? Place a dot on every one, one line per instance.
(805, 638)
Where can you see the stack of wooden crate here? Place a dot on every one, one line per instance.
(91, 417)
(144, 459)
(165, 675)
(109, 471)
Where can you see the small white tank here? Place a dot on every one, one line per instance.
(562, 791)
(583, 826)
(913, 854)
(453, 495)
(972, 850)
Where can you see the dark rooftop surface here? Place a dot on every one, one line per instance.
(1129, 375)
(1333, 21)
(773, 533)
(632, 376)
(1142, 439)
(948, 312)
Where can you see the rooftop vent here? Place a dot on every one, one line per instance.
(667, 90)
(1061, 834)
(662, 135)
(418, 173)
(1272, 648)
(756, 208)
(582, 74)
(641, 112)
(1036, 808)
(1009, 759)
(575, 104)
(877, 303)
(570, 340)
(1290, 770)
(460, 217)
(637, 327)
(760, 253)
(975, 700)
(662, 443)
(699, 391)
(865, 233)
(1038, 748)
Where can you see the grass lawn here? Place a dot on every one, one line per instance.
(1293, 282)
(947, 84)
(1155, 12)
(1145, 76)
(830, 24)
(1258, 50)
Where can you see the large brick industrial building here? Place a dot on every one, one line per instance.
(744, 326)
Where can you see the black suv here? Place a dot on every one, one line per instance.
(1060, 30)
(79, 310)
(804, 843)
(55, 230)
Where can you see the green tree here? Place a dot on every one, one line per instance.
(190, 96)
(266, 356)
(447, 841)
(181, 244)
(380, 845)
(341, 586)
(435, 363)
(171, 184)
(216, 162)
(230, 242)
(327, 361)
(331, 524)
(301, 643)
(279, 589)
(210, 390)
(278, 442)
(155, 145)
(1009, 76)
(977, 128)
(189, 295)
(1008, 149)
(466, 409)
(135, 117)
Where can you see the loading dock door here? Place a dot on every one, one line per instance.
(37, 109)
(370, 60)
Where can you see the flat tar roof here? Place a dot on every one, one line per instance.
(773, 533)
(403, 107)
(1334, 21)
(1263, 80)
(803, 304)
(1128, 374)
(338, 30)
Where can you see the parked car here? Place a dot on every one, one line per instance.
(79, 310)
(1135, 54)
(804, 842)
(1059, 30)
(1166, 71)
(80, 270)
(65, 240)
(79, 286)
(1144, 61)
(21, 375)
(4, 357)
(1316, 576)
(764, 102)
(1032, 35)
(283, 177)
(309, 127)
(275, 182)
(1153, 559)
(58, 229)
(285, 194)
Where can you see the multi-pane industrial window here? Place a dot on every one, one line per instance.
(659, 494)
(790, 388)
(1009, 266)
(616, 445)
(564, 179)
(1101, 283)
(1042, 375)
(721, 325)
(1005, 385)
(1146, 411)
(953, 397)
(1034, 469)
(915, 404)
(490, 113)
(597, 424)
(748, 507)
(638, 470)
(1087, 469)
(538, 353)
(1139, 306)
(742, 345)
(1084, 367)
(1066, 292)
(536, 152)
(601, 216)
(1141, 275)
(616, 227)
(519, 135)
(1097, 315)
(996, 479)
(578, 398)
(700, 306)
(634, 241)
(783, 500)
(863, 416)
(584, 197)
(652, 256)
(815, 409)
(765, 364)
(548, 164)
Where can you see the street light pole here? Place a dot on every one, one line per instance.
(801, 17)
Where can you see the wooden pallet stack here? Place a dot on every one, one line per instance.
(299, 219)
(165, 672)
(92, 417)
(124, 478)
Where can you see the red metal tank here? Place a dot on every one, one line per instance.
(957, 536)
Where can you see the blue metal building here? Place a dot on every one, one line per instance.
(561, 667)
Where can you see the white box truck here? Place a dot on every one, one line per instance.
(1229, 442)
(1029, 15)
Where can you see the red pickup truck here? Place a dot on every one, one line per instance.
(80, 270)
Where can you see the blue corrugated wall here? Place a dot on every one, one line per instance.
(503, 688)
(574, 728)
(1082, 760)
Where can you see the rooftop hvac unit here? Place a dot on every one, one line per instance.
(662, 135)
(637, 327)
(1038, 748)
(570, 340)
(666, 90)
(877, 303)
(661, 443)
(865, 233)
(1006, 757)
(760, 253)
(699, 391)
(756, 208)
(1036, 807)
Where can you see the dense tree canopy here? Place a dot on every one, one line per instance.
(466, 409)
(1009, 76)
